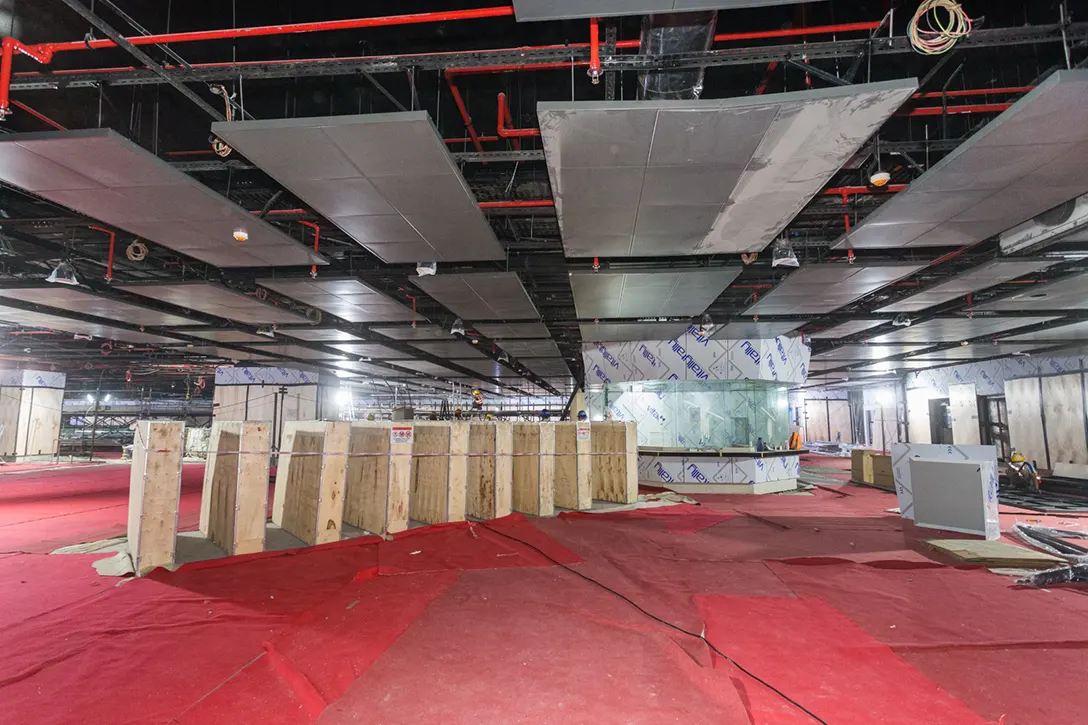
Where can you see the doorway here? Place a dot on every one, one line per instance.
(940, 421)
(995, 426)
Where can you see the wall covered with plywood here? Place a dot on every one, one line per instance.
(1063, 413)
(963, 405)
(1024, 400)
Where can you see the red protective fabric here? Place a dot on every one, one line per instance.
(32, 584)
(844, 676)
(682, 519)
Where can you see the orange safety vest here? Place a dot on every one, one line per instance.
(795, 441)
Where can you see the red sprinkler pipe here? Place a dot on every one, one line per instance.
(594, 52)
(109, 259)
(7, 53)
(504, 111)
(962, 108)
(848, 190)
(975, 92)
(464, 112)
(40, 116)
(317, 238)
(315, 27)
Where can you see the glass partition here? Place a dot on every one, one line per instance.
(696, 414)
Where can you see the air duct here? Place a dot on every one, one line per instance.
(670, 34)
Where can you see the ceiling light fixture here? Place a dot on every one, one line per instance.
(705, 323)
(901, 321)
(458, 327)
(241, 235)
(782, 255)
(423, 269)
(64, 273)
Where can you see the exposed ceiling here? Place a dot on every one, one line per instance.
(587, 215)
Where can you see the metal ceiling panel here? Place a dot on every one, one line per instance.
(632, 331)
(224, 352)
(363, 368)
(314, 334)
(427, 368)
(936, 331)
(347, 298)
(373, 350)
(286, 349)
(103, 175)
(419, 332)
(533, 10)
(985, 275)
(88, 303)
(847, 328)
(64, 324)
(386, 179)
(516, 330)
(1075, 331)
(546, 366)
(1067, 293)
(975, 351)
(480, 295)
(1029, 159)
(487, 367)
(648, 294)
(821, 288)
(448, 348)
(530, 348)
(653, 178)
(866, 352)
(225, 335)
(754, 330)
(215, 299)
(908, 364)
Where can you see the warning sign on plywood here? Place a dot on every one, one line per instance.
(400, 434)
(583, 432)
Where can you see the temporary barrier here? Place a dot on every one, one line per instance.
(154, 493)
(234, 504)
(310, 480)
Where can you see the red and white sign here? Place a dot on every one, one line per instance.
(583, 432)
(400, 434)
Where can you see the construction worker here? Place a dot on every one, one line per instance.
(795, 441)
(477, 400)
(582, 415)
(457, 414)
(544, 414)
(489, 417)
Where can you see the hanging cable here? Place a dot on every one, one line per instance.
(945, 23)
(222, 150)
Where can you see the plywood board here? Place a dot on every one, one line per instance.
(526, 491)
(458, 476)
(480, 501)
(610, 478)
(838, 421)
(366, 496)
(251, 499)
(154, 493)
(566, 465)
(1071, 470)
(298, 484)
(1024, 402)
(1063, 408)
(10, 401)
(330, 502)
(994, 553)
(816, 424)
(504, 468)
(918, 416)
(428, 496)
(221, 486)
(39, 421)
(229, 402)
(631, 462)
(400, 480)
(963, 405)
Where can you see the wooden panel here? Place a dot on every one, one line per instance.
(39, 421)
(816, 420)
(430, 473)
(885, 428)
(584, 431)
(1022, 398)
(10, 401)
(631, 462)
(220, 490)
(504, 468)
(229, 402)
(994, 553)
(330, 500)
(302, 485)
(366, 497)
(1071, 470)
(918, 416)
(609, 476)
(458, 476)
(154, 493)
(838, 421)
(263, 403)
(400, 483)
(566, 465)
(1063, 407)
(480, 497)
(526, 490)
(251, 499)
(963, 406)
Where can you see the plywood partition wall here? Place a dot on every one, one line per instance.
(534, 468)
(371, 502)
(490, 470)
(234, 503)
(310, 480)
(918, 428)
(838, 421)
(963, 404)
(439, 472)
(573, 465)
(1063, 410)
(614, 474)
(154, 493)
(1023, 399)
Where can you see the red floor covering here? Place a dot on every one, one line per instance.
(826, 598)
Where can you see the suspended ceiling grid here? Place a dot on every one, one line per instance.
(224, 335)
(371, 350)
(448, 349)
(347, 298)
(985, 275)
(654, 178)
(419, 332)
(316, 334)
(215, 299)
(1067, 293)
(87, 303)
(103, 175)
(648, 294)
(513, 331)
(823, 288)
(1031, 158)
(932, 332)
(77, 327)
(1075, 331)
(385, 179)
(298, 351)
(480, 295)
